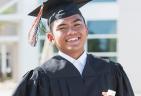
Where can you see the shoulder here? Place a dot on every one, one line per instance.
(104, 64)
(53, 65)
(32, 80)
(100, 60)
(34, 74)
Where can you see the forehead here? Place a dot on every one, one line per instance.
(68, 19)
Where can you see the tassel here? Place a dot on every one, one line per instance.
(32, 35)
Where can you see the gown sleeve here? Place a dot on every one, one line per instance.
(34, 83)
(123, 84)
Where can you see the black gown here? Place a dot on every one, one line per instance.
(58, 77)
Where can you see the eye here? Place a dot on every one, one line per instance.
(62, 28)
(76, 25)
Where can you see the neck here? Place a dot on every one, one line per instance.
(74, 55)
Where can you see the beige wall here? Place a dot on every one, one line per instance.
(129, 28)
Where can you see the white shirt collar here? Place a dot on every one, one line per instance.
(79, 63)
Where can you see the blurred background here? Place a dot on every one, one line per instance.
(114, 33)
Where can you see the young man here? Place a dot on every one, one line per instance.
(72, 72)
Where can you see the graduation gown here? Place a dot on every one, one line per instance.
(58, 77)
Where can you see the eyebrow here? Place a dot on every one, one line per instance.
(76, 20)
(61, 25)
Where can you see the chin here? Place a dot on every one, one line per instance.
(74, 48)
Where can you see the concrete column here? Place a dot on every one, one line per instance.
(15, 61)
(28, 56)
(3, 66)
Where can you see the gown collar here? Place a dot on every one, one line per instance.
(78, 63)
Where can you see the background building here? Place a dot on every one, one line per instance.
(114, 33)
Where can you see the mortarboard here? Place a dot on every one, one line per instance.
(53, 10)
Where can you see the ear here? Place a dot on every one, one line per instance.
(50, 36)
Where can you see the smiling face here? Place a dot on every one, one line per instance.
(69, 34)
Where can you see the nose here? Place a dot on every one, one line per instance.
(71, 31)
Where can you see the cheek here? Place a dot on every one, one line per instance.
(58, 37)
(56, 34)
(85, 31)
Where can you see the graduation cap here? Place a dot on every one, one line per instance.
(53, 10)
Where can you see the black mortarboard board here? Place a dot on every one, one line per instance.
(51, 5)
(53, 10)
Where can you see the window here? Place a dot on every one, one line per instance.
(10, 10)
(102, 45)
(7, 68)
(41, 45)
(110, 58)
(102, 38)
(0, 64)
(102, 27)
(8, 28)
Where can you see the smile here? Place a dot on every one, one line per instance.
(73, 39)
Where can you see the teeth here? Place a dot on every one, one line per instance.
(72, 39)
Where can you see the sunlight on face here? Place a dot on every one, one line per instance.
(70, 33)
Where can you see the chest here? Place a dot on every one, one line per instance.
(82, 86)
